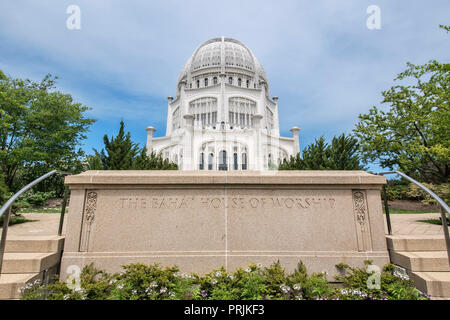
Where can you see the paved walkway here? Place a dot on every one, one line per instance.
(44, 224)
(409, 224)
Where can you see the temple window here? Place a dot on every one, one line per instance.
(202, 161)
(244, 161)
(176, 119)
(223, 166)
(269, 118)
(204, 111)
(211, 161)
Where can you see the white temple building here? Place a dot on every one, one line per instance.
(223, 117)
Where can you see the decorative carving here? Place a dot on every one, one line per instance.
(91, 206)
(88, 218)
(363, 233)
(360, 207)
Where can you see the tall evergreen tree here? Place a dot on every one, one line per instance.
(93, 162)
(316, 156)
(341, 154)
(119, 151)
(152, 162)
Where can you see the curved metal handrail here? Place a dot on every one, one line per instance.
(26, 188)
(441, 202)
(431, 193)
(7, 207)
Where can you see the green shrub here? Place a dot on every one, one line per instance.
(442, 190)
(37, 198)
(152, 282)
(393, 286)
(399, 190)
(14, 219)
(29, 199)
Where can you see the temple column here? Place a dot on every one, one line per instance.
(150, 133)
(295, 131)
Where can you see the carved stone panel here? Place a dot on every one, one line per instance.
(362, 221)
(90, 206)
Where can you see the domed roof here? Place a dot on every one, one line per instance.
(224, 53)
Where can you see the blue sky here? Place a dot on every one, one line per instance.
(322, 61)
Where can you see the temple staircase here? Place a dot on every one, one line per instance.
(28, 260)
(425, 259)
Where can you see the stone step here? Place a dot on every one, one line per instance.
(416, 243)
(421, 260)
(10, 284)
(436, 284)
(30, 244)
(29, 262)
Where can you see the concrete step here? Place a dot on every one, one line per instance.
(10, 284)
(416, 243)
(421, 260)
(30, 244)
(29, 262)
(436, 284)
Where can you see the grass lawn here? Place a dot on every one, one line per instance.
(432, 221)
(15, 220)
(41, 210)
(400, 211)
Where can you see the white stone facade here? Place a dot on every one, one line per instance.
(223, 117)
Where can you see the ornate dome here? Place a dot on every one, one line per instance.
(226, 54)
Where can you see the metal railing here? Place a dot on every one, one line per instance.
(445, 210)
(6, 209)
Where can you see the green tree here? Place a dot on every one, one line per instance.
(123, 154)
(152, 162)
(39, 127)
(3, 190)
(344, 153)
(446, 28)
(293, 163)
(93, 162)
(316, 155)
(341, 154)
(119, 151)
(414, 134)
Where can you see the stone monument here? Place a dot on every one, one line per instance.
(204, 220)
